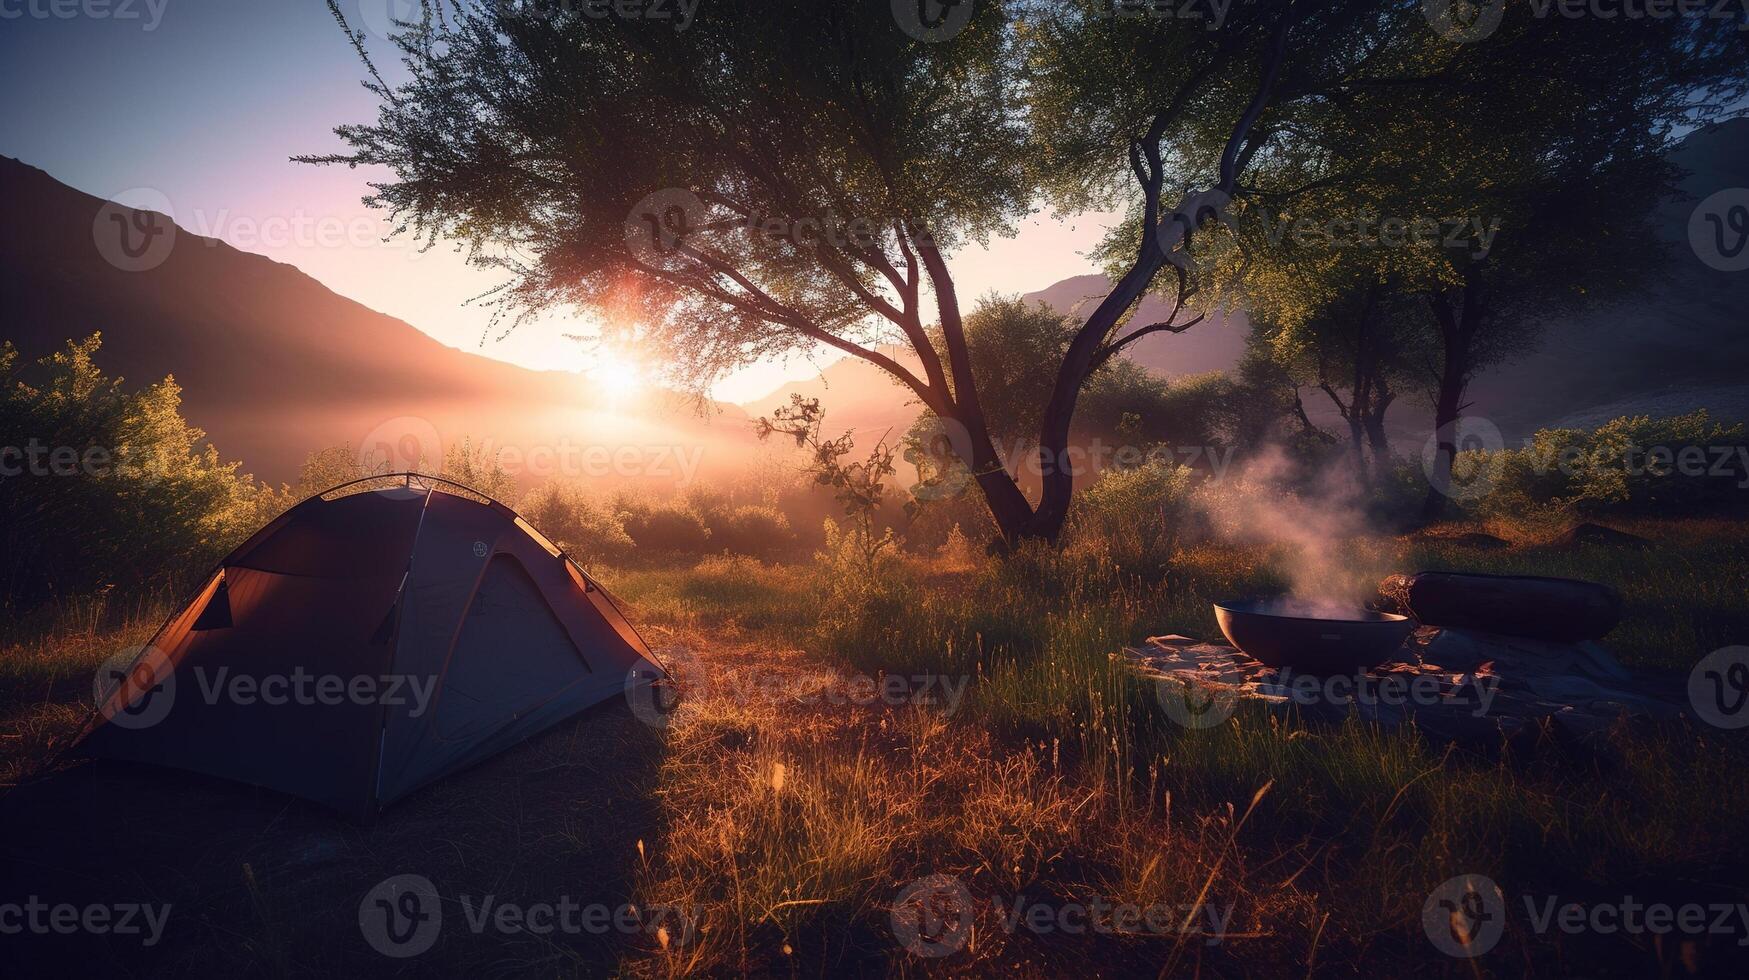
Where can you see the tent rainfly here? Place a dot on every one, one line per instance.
(369, 641)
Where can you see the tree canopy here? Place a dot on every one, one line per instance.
(785, 175)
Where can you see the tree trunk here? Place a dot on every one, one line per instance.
(1456, 331)
(1374, 423)
(1057, 475)
(1008, 505)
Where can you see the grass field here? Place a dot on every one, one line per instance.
(962, 724)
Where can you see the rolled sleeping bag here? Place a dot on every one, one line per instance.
(1560, 610)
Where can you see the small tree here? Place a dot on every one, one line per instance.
(859, 486)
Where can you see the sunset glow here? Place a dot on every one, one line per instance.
(618, 376)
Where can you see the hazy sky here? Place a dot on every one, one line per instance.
(199, 104)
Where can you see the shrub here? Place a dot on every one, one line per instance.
(1671, 467)
(587, 529)
(666, 528)
(1133, 517)
(763, 532)
(102, 487)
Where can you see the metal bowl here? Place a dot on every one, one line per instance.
(1278, 637)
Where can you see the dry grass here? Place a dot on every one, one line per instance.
(795, 818)
(46, 670)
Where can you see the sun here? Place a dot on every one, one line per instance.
(619, 377)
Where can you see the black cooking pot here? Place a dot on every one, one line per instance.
(1277, 636)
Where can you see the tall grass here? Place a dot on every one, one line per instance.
(48, 661)
(1375, 818)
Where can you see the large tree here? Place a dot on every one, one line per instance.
(785, 175)
(1549, 138)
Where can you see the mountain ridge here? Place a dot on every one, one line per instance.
(274, 364)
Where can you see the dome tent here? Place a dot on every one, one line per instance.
(369, 641)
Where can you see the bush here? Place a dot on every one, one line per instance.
(100, 487)
(1672, 467)
(664, 528)
(763, 532)
(587, 529)
(1132, 517)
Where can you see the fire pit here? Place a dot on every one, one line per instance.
(1281, 633)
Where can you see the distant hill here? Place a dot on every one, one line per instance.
(1679, 345)
(272, 363)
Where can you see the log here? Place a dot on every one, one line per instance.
(1561, 610)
